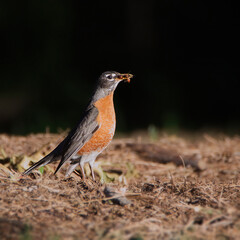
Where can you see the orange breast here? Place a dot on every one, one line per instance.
(106, 119)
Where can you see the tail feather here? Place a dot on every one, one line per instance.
(59, 166)
(44, 161)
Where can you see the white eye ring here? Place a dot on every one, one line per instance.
(110, 77)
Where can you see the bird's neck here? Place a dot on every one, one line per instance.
(100, 94)
(105, 104)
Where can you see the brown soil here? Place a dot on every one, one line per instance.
(168, 200)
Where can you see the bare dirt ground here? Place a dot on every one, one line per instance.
(177, 187)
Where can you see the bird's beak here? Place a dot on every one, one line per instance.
(124, 76)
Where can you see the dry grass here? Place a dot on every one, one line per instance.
(168, 201)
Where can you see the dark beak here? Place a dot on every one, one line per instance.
(124, 76)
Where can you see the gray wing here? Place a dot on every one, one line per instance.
(75, 140)
(79, 135)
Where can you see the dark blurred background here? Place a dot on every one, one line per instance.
(184, 55)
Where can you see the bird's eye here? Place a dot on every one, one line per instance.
(109, 76)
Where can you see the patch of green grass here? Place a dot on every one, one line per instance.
(136, 237)
(26, 233)
(41, 169)
(153, 132)
(55, 237)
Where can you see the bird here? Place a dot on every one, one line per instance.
(93, 133)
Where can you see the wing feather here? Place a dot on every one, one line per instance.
(80, 135)
(75, 140)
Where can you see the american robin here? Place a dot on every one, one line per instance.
(94, 131)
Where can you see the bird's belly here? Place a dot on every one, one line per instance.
(100, 140)
(107, 123)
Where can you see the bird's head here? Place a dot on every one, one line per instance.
(110, 79)
(108, 82)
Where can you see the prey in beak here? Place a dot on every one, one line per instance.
(124, 76)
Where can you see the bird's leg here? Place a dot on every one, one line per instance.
(71, 169)
(82, 170)
(91, 163)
